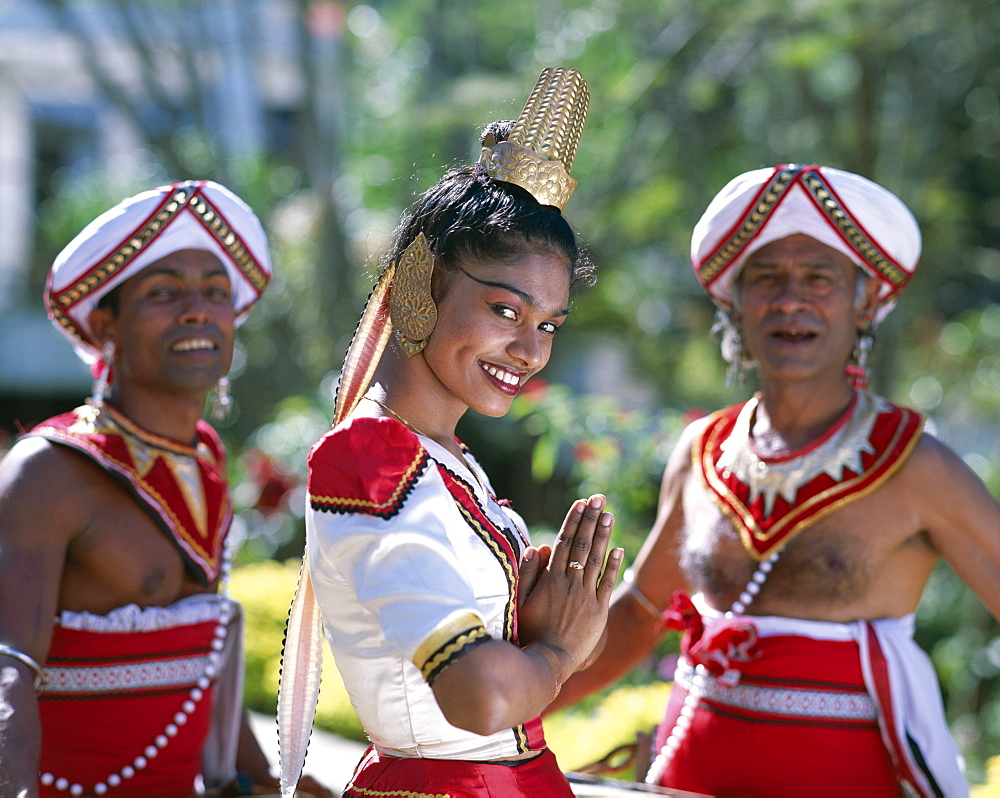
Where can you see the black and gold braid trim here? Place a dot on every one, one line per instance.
(482, 526)
(384, 510)
(753, 219)
(183, 196)
(850, 230)
(120, 259)
(227, 237)
(452, 649)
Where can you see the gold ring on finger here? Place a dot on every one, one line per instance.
(576, 566)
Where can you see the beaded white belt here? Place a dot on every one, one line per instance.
(125, 678)
(792, 702)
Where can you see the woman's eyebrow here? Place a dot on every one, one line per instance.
(527, 298)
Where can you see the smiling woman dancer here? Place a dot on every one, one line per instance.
(450, 631)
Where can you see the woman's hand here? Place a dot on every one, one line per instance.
(563, 594)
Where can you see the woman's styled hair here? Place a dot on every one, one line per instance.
(467, 215)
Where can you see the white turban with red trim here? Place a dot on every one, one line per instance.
(141, 230)
(844, 211)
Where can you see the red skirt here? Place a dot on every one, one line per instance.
(800, 722)
(431, 778)
(108, 702)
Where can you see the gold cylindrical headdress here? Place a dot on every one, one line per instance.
(539, 151)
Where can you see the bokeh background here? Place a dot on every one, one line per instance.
(329, 116)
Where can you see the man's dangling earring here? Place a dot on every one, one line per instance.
(411, 306)
(102, 375)
(222, 402)
(858, 370)
(736, 373)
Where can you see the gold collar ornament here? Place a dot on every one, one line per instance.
(539, 151)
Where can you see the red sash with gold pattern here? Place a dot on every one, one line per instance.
(184, 488)
(770, 500)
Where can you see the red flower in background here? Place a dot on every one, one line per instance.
(535, 388)
(273, 479)
(584, 451)
(692, 414)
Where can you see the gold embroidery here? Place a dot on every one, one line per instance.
(449, 651)
(464, 624)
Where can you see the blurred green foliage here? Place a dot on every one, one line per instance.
(685, 95)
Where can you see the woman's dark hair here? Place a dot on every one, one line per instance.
(467, 215)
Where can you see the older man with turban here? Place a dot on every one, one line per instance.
(120, 668)
(805, 521)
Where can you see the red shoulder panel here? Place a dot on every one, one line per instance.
(367, 465)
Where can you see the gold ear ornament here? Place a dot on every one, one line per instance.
(411, 307)
(540, 149)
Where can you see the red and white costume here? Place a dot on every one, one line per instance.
(779, 706)
(414, 561)
(129, 697)
(144, 702)
(781, 695)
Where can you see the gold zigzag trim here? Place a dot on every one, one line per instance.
(398, 793)
(449, 629)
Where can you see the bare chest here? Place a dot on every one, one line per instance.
(861, 560)
(121, 556)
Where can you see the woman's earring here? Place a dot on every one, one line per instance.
(411, 307)
(102, 375)
(222, 402)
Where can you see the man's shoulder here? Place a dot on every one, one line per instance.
(40, 479)
(39, 457)
(933, 459)
(696, 433)
(690, 440)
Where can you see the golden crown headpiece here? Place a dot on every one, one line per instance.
(539, 151)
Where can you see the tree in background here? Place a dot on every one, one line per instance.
(686, 94)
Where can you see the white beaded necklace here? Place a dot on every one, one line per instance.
(701, 675)
(187, 707)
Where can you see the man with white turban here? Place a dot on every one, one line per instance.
(120, 653)
(805, 521)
